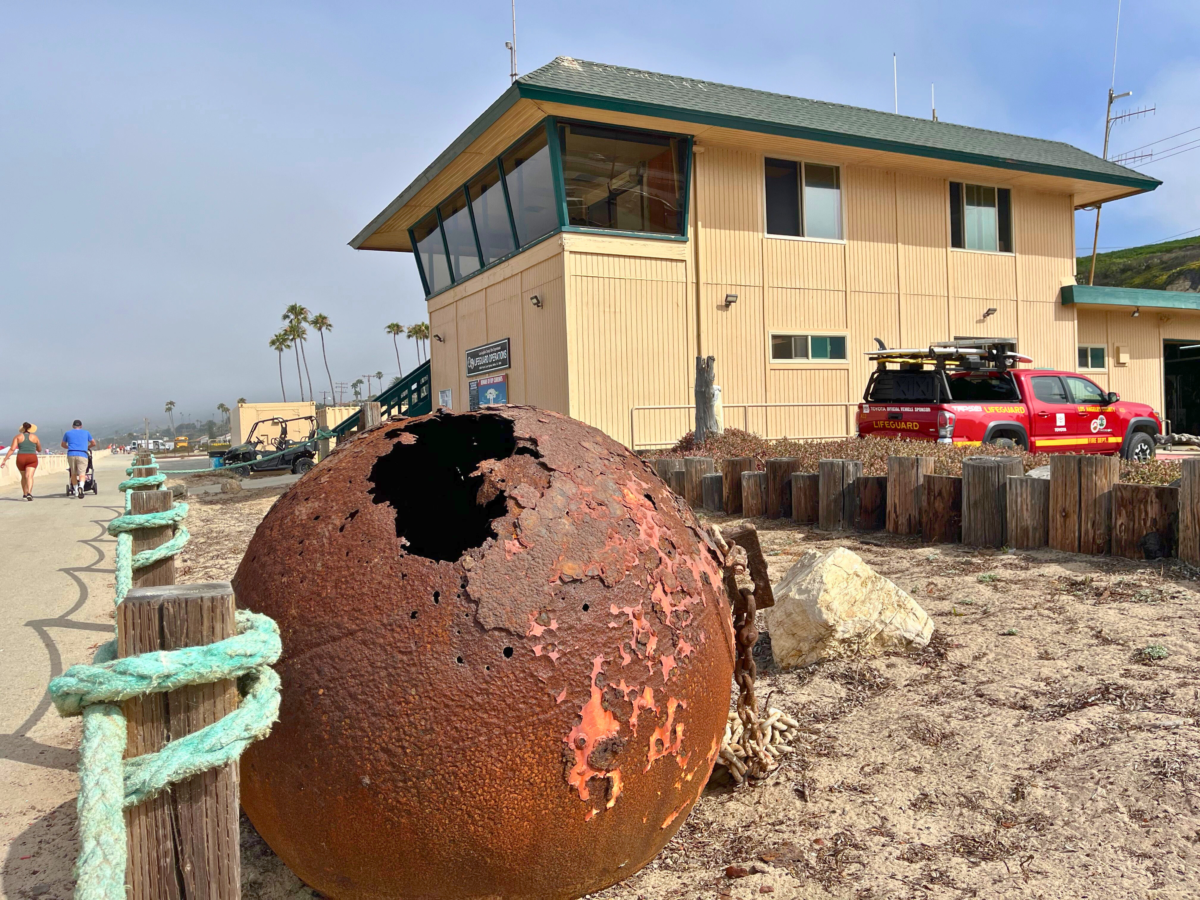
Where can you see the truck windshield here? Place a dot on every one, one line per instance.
(984, 387)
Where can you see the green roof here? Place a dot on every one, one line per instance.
(616, 88)
(1103, 295)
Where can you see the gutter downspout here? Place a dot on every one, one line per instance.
(695, 217)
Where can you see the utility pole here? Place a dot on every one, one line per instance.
(512, 46)
(1109, 121)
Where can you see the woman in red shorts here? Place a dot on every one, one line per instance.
(27, 447)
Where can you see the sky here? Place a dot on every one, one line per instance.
(173, 176)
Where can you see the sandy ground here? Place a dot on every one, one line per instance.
(1033, 750)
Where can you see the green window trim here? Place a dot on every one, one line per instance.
(549, 127)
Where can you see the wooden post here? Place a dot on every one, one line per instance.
(838, 498)
(779, 485)
(1189, 513)
(905, 491)
(695, 468)
(706, 412)
(1097, 475)
(664, 468)
(1064, 504)
(873, 506)
(754, 494)
(1028, 503)
(984, 496)
(1139, 510)
(183, 843)
(806, 498)
(675, 481)
(712, 489)
(732, 469)
(150, 872)
(941, 510)
(370, 414)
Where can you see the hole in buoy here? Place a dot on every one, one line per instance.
(431, 484)
(413, 614)
(508, 651)
(460, 659)
(437, 596)
(317, 516)
(586, 607)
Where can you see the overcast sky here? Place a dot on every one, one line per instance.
(171, 176)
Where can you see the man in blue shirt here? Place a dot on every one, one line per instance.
(78, 443)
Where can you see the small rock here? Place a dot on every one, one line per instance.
(766, 889)
(41, 889)
(736, 872)
(834, 605)
(1039, 472)
(230, 487)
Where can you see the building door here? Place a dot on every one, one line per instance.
(1181, 385)
(1052, 415)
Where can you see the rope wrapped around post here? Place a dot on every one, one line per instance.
(108, 783)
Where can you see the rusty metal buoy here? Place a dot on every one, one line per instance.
(507, 662)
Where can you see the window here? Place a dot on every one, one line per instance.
(803, 199)
(530, 181)
(1091, 358)
(623, 180)
(980, 217)
(427, 238)
(492, 224)
(460, 236)
(1083, 391)
(984, 389)
(807, 347)
(1049, 389)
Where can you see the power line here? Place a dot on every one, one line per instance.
(1187, 148)
(1159, 141)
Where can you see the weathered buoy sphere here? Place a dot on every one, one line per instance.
(506, 667)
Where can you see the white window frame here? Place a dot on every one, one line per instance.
(1012, 212)
(1089, 348)
(771, 360)
(762, 168)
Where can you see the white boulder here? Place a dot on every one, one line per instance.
(834, 605)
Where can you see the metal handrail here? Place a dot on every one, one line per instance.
(745, 407)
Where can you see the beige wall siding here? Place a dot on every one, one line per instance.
(496, 305)
(923, 222)
(729, 206)
(870, 204)
(627, 343)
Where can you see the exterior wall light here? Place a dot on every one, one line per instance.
(1137, 311)
(990, 311)
(536, 301)
(730, 299)
(439, 339)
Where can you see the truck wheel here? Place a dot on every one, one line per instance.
(1140, 447)
(302, 465)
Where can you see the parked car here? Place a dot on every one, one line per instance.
(970, 393)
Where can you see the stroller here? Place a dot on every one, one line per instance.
(89, 479)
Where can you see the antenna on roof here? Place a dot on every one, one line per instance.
(512, 46)
(933, 102)
(895, 86)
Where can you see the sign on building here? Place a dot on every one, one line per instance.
(488, 391)
(488, 358)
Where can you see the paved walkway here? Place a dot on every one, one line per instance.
(56, 577)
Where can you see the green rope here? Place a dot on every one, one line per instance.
(108, 783)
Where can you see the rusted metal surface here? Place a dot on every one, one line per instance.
(521, 697)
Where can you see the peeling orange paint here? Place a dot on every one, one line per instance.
(595, 725)
(668, 736)
(675, 815)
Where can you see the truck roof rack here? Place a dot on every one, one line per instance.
(961, 353)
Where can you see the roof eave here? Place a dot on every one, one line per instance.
(544, 94)
(1127, 298)
(503, 104)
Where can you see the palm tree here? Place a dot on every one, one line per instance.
(295, 333)
(321, 323)
(395, 329)
(379, 380)
(298, 315)
(356, 386)
(278, 343)
(169, 410)
(420, 334)
(242, 400)
(224, 411)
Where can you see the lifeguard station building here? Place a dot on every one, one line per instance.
(598, 227)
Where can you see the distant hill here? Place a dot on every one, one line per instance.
(1170, 266)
